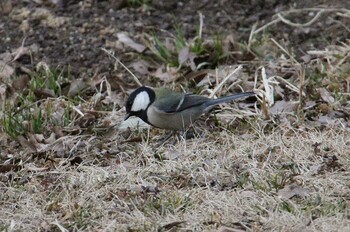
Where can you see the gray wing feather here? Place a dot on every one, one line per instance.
(179, 102)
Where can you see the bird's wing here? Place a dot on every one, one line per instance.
(191, 100)
(177, 102)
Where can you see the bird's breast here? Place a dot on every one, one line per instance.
(171, 121)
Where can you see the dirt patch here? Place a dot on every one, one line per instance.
(71, 33)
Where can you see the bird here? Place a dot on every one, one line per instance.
(166, 109)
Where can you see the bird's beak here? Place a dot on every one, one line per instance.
(126, 116)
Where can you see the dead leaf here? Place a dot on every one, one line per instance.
(186, 55)
(57, 131)
(51, 139)
(162, 75)
(141, 67)
(37, 144)
(77, 86)
(309, 105)
(6, 57)
(26, 144)
(171, 74)
(39, 137)
(325, 119)
(5, 70)
(283, 107)
(325, 95)
(130, 43)
(293, 190)
(306, 58)
(44, 93)
(21, 83)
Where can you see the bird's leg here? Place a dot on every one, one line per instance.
(191, 133)
(166, 138)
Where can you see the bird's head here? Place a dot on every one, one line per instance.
(138, 102)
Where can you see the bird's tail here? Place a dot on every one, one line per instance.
(213, 102)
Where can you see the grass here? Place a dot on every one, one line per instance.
(168, 51)
(127, 194)
(33, 109)
(18, 124)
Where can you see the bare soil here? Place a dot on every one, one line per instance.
(75, 39)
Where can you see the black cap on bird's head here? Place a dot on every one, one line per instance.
(138, 102)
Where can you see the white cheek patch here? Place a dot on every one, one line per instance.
(141, 101)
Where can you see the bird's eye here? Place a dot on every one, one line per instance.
(128, 104)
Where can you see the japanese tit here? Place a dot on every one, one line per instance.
(166, 109)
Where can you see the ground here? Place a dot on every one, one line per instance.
(277, 162)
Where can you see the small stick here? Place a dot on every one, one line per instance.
(126, 68)
(288, 22)
(284, 50)
(224, 81)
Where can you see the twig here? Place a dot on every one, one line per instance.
(267, 25)
(343, 12)
(200, 25)
(126, 68)
(288, 84)
(224, 81)
(288, 22)
(251, 35)
(301, 92)
(18, 53)
(284, 50)
(268, 88)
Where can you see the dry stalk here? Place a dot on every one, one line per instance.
(343, 12)
(126, 68)
(218, 87)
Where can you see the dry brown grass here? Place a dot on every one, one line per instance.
(220, 179)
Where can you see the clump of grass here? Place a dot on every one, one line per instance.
(34, 118)
(164, 54)
(51, 79)
(319, 207)
(210, 52)
(32, 110)
(168, 203)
